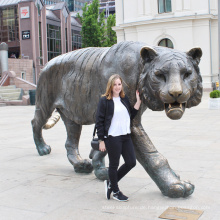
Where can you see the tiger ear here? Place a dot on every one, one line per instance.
(195, 53)
(148, 53)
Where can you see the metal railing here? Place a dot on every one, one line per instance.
(3, 80)
(25, 81)
(5, 77)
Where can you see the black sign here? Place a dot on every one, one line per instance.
(26, 35)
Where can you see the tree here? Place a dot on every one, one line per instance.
(91, 32)
(94, 31)
(111, 37)
(102, 27)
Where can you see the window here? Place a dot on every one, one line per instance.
(53, 41)
(40, 44)
(164, 6)
(39, 6)
(76, 40)
(9, 24)
(66, 40)
(23, 75)
(166, 43)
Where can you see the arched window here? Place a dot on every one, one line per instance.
(166, 43)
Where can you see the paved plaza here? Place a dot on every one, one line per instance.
(47, 188)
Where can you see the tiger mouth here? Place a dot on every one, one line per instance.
(175, 110)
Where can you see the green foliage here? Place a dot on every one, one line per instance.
(95, 32)
(215, 94)
(102, 27)
(90, 32)
(110, 34)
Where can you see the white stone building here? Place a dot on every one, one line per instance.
(181, 24)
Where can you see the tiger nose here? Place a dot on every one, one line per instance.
(175, 92)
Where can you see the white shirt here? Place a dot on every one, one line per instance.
(120, 124)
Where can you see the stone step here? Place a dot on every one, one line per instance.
(7, 87)
(11, 102)
(10, 90)
(2, 104)
(11, 96)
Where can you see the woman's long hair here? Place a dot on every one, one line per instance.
(110, 85)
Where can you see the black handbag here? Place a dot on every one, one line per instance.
(95, 141)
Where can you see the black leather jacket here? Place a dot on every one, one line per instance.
(105, 113)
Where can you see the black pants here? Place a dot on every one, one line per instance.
(117, 146)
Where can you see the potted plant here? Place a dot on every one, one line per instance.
(214, 100)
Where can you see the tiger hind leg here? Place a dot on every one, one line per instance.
(73, 135)
(40, 119)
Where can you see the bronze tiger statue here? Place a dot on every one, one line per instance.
(72, 84)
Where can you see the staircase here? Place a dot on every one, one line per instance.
(10, 95)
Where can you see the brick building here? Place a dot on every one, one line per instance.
(37, 31)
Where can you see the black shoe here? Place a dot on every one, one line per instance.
(120, 197)
(108, 189)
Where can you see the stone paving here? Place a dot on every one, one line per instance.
(35, 187)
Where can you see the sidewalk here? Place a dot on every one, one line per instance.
(47, 188)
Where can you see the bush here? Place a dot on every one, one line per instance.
(215, 94)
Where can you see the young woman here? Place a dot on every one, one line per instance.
(113, 129)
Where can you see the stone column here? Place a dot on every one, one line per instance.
(3, 57)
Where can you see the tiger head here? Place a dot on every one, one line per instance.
(170, 80)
